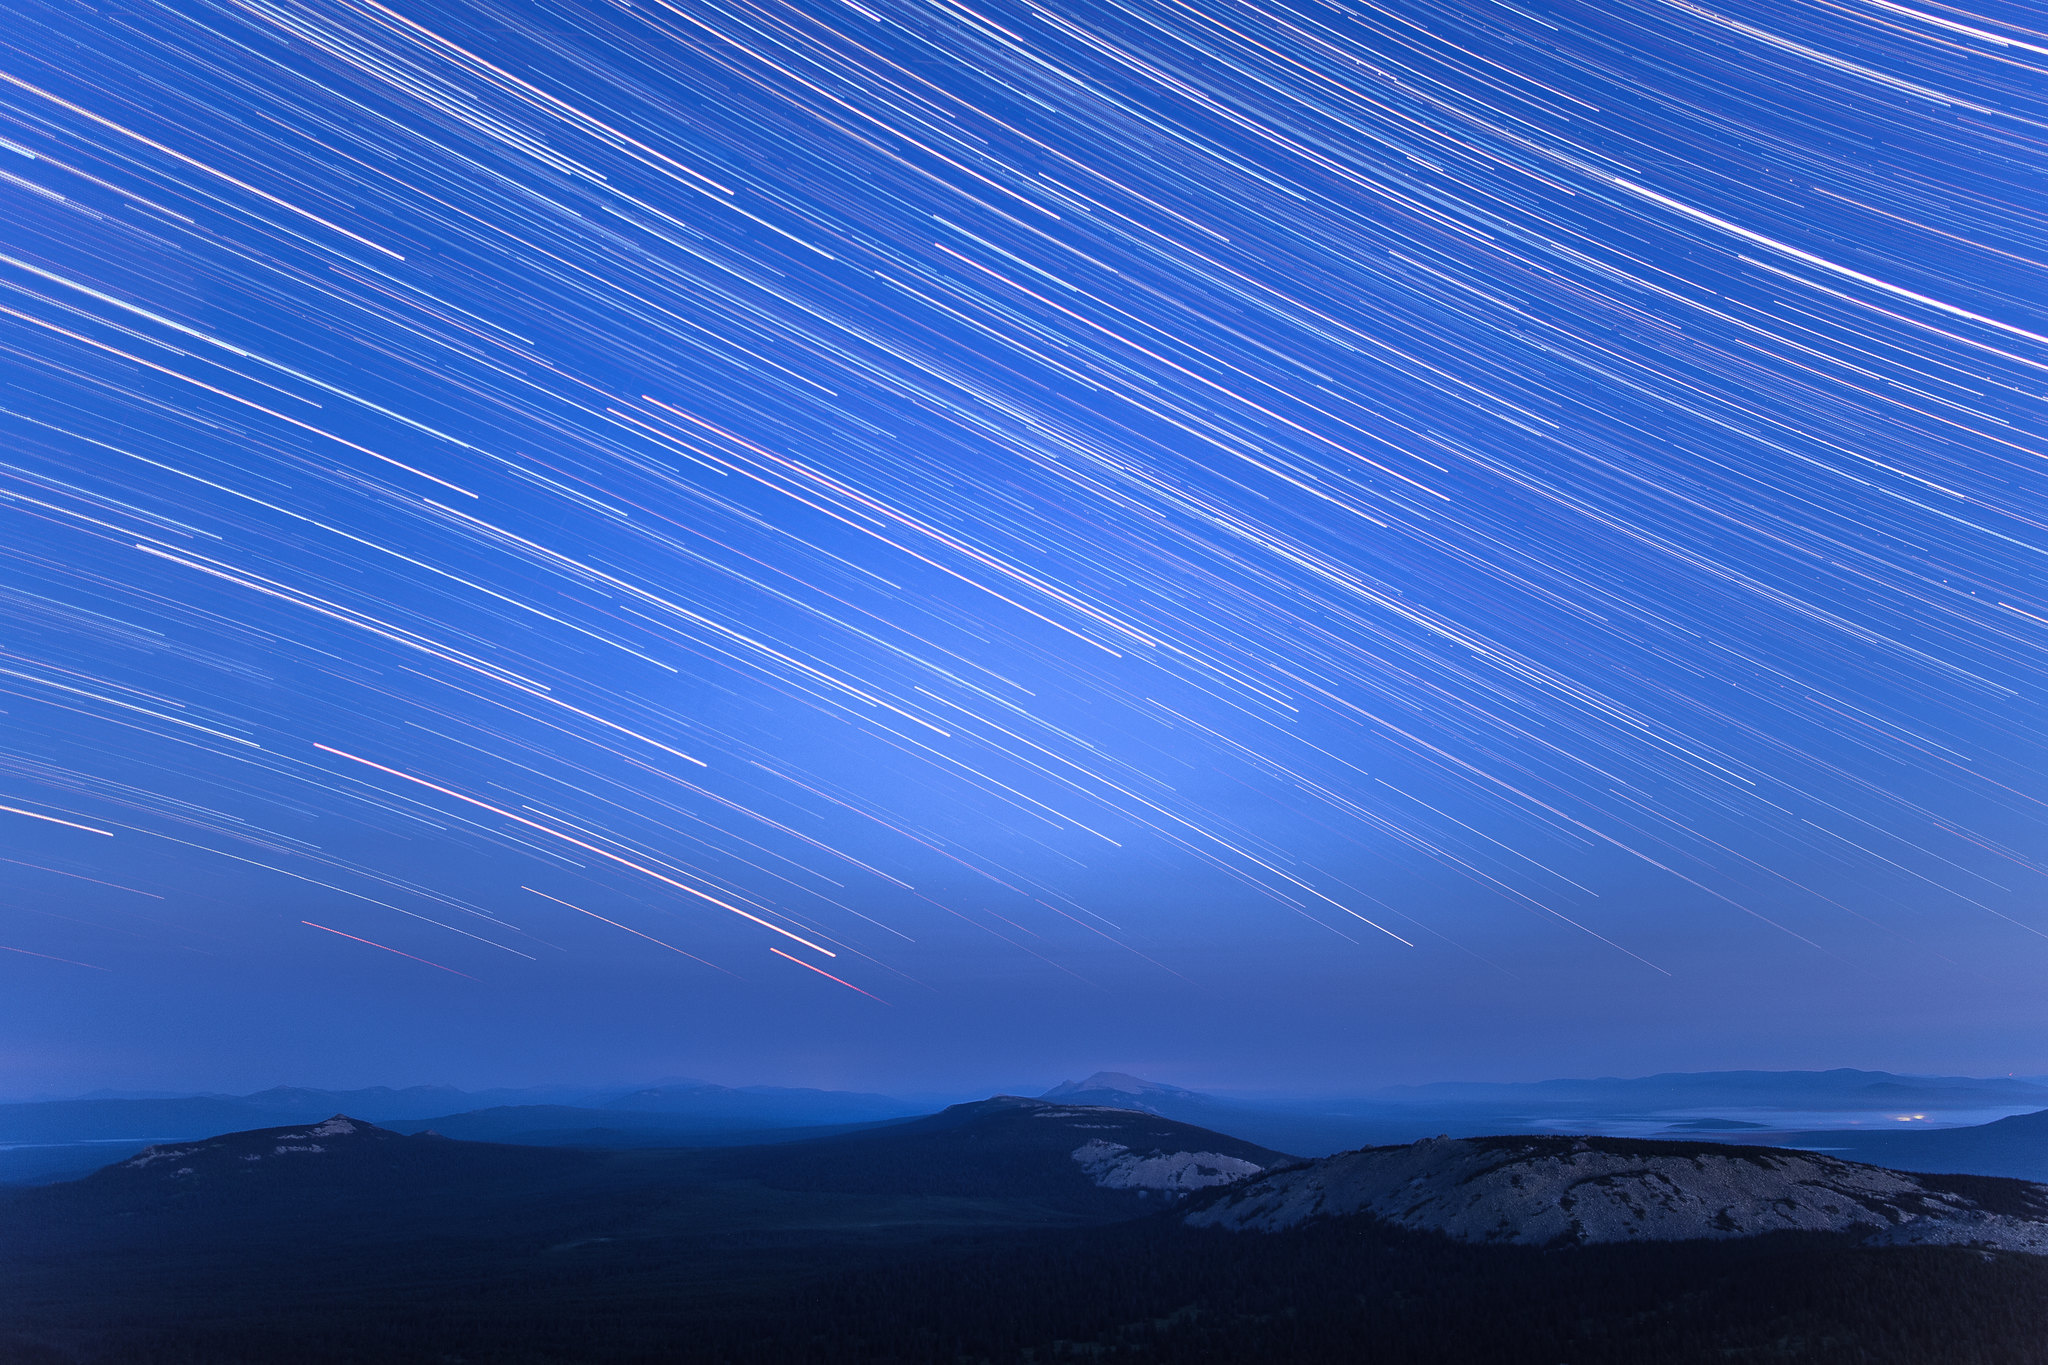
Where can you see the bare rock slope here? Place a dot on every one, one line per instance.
(1543, 1190)
(1116, 1167)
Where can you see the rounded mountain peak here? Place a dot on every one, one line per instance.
(1115, 1083)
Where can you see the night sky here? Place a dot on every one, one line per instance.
(931, 543)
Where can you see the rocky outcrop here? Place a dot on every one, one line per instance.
(1544, 1190)
(1116, 1167)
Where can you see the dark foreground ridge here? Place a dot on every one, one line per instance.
(1009, 1230)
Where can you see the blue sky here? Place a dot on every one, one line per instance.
(892, 544)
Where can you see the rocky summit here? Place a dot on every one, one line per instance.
(1546, 1190)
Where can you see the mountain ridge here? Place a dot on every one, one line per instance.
(193, 1116)
(1056, 1218)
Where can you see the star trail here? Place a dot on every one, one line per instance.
(958, 496)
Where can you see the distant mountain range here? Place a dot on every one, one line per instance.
(196, 1115)
(671, 1111)
(1672, 1102)
(62, 1139)
(1841, 1089)
(2015, 1146)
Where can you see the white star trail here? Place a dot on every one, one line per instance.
(903, 481)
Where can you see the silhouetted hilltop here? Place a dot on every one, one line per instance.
(681, 1104)
(1072, 1156)
(349, 1178)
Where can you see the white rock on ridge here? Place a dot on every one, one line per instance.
(1542, 1190)
(1116, 1167)
(149, 1156)
(338, 1126)
(277, 1141)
